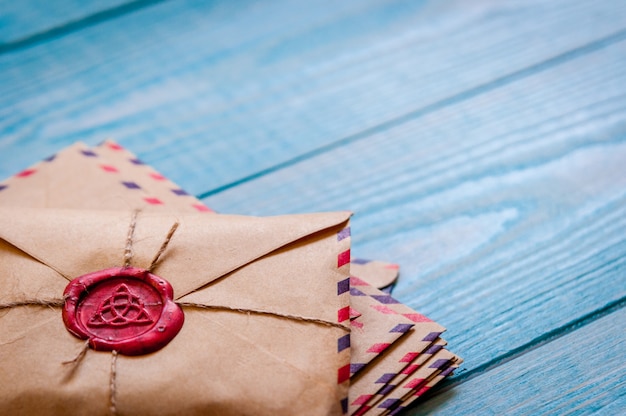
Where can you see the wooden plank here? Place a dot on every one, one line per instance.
(186, 85)
(504, 203)
(20, 20)
(580, 373)
(507, 212)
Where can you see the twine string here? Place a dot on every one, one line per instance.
(51, 303)
(113, 385)
(128, 249)
(164, 245)
(60, 302)
(79, 357)
(266, 313)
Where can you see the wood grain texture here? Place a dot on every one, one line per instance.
(300, 76)
(555, 379)
(20, 20)
(510, 207)
(480, 143)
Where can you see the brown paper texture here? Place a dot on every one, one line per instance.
(402, 359)
(100, 178)
(400, 356)
(122, 163)
(373, 332)
(430, 383)
(404, 393)
(222, 362)
(377, 273)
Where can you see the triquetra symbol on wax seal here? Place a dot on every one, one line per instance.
(121, 308)
(125, 309)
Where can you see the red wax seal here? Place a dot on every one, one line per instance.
(125, 309)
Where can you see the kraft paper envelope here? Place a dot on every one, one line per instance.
(79, 177)
(430, 383)
(270, 344)
(406, 392)
(111, 177)
(401, 356)
(372, 332)
(379, 274)
(399, 365)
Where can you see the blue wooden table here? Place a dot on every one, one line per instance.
(482, 145)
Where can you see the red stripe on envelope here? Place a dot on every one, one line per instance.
(355, 281)
(362, 399)
(362, 411)
(156, 176)
(409, 356)
(343, 258)
(153, 201)
(25, 173)
(414, 383)
(343, 374)
(410, 369)
(416, 317)
(114, 146)
(109, 168)
(378, 348)
(202, 208)
(343, 314)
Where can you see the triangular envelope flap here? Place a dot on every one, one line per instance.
(204, 248)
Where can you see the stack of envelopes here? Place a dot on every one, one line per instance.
(395, 354)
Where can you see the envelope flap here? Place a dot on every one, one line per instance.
(204, 248)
